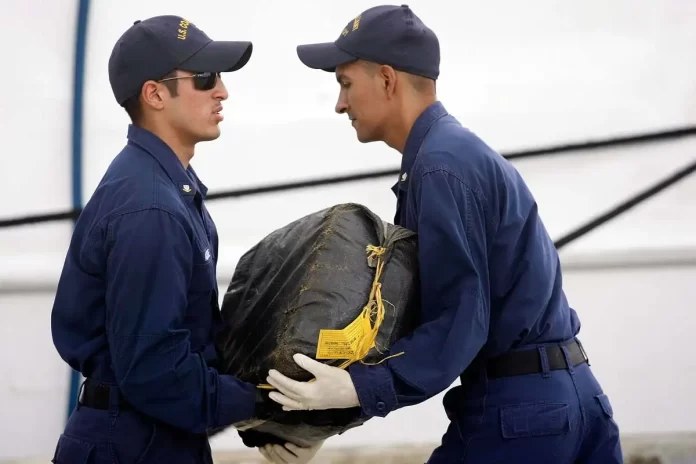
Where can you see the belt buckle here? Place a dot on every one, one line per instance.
(81, 393)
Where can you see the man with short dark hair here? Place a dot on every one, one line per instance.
(137, 302)
(493, 312)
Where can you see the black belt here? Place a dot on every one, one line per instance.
(97, 395)
(529, 361)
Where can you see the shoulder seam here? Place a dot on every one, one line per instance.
(479, 194)
(154, 207)
(105, 223)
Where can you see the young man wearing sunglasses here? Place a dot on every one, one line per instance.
(137, 300)
(494, 312)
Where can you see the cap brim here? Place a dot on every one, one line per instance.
(219, 56)
(326, 56)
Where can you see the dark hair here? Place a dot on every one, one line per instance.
(422, 85)
(134, 106)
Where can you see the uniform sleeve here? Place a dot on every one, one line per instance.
(149, 269)
(454, 321)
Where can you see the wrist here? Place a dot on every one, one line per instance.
(350, 393)
(374, 388)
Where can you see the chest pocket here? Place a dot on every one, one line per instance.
(203, 273)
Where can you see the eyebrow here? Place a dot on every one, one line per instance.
(340, 76)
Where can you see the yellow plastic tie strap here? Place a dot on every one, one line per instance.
(355, 341)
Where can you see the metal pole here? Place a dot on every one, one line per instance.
(77, 117)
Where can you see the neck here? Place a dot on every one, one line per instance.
(182, 148)
(409, 111)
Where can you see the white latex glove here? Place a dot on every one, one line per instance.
(331, 389)
(290, 453)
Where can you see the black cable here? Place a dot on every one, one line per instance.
(558, 149)
(647, 137)
(74, 213)
(38, 218)
(552, 150)
(303, 184)
(626, 205)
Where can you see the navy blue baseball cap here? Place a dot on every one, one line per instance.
(154, 47)
(385, 34)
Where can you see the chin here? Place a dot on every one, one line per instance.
(366, 138)
(210, 135)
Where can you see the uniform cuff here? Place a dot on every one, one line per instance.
(235, 402)
(375, 389)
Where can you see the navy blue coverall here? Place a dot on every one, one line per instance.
(490, 284)
(135, 310)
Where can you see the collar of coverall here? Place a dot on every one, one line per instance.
(414, 141)
(186, 180)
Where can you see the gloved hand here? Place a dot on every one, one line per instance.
(331, 389)
(290, 453)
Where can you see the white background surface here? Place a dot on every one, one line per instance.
(520, 75)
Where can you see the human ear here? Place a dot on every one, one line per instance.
(152, 96)
(388, 76)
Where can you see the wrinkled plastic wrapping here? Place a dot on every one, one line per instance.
(310, 275)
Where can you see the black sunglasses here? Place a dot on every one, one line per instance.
(201, 81)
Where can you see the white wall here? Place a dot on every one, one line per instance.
(521, 76)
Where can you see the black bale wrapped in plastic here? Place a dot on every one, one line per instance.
(340, 286)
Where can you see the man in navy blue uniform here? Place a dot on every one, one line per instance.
(137, 301)
(494, 313)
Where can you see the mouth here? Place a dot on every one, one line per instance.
(217, 112)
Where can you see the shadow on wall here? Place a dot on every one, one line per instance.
(682, 453)
(641, 460)
(637, 450)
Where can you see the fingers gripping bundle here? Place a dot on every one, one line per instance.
(340, 286)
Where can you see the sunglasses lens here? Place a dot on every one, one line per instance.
(205, 81)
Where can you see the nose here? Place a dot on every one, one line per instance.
(220, 91)
(341, 104)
